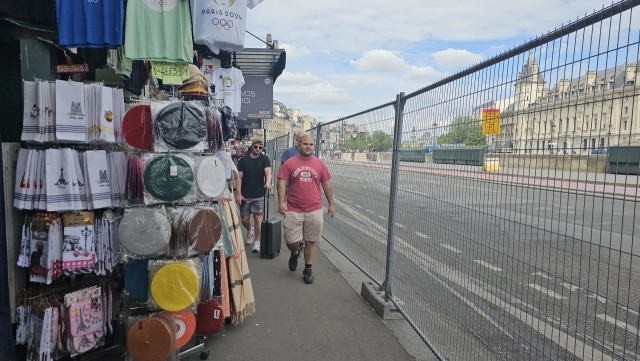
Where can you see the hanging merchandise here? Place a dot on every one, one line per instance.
(85, 319)
(78, 249)
(71, 122)
(220, 25)
(106, 116)
(137, 127)
(136, 279)
(214, 129)
(253, 3)
(171, 73)
(202, 228)
(117, 165)
(208, 66)
(97, 177)
(184, 324)
(134, 186)
(90, 24)
(210, 176)
(228, 122)
(168, 178)
(228, 84)
(174, 285)
(144, 232)
(210, 317)
(150, 339)
(179, 126)
(30, 113)
(158, 30)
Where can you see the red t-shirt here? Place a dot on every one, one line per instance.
(304, 177)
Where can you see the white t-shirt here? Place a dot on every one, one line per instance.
(208, 66)
(220, 25)
(228, 83)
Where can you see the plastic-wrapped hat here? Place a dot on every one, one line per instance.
(210, 317)
(137, 127)
(184, 325)
(144, 231)
(151, 339)
(168, 177)
(136, 279)
(175, 286)
(181, 125)
(211, 177)
(204, 230)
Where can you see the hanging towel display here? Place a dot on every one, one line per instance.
(117, 164)
(78, 249)
(179, 126)
(84, 319)
(62, 183)
(22, 181)
(220, 25)
(71, 122)
(30, 113)
(158, 30)
(47, 115)
(106, 128)
(228, 84)
(137, 127)
(98, 180)
(167, 178)
(144, 231)
(90, 24)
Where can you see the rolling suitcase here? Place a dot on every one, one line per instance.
(270, 234)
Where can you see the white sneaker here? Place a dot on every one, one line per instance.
(250, 236)
(256, 247)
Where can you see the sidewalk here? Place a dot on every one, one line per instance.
(327, 320)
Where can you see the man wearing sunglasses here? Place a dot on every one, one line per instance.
(254, 178)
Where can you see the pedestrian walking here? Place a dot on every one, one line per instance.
(304, 174)
(254, 178)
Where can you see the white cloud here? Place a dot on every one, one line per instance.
(455, 58)
(294, 52)
(378, 60)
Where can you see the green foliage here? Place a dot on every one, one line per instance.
(381, 141)
(464, 130)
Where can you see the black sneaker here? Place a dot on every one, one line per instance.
(307, 276)
(293, 261)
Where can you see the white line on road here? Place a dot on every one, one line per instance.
(570, 287)
(546, 291)
(488, 265)
(422, 235)
(450, 248)
(618, 323)
(540, 274)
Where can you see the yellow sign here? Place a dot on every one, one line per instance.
(170, 73)
(490, 121)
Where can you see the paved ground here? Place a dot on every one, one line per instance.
(327, 320)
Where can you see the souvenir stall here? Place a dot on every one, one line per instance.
(131, 236)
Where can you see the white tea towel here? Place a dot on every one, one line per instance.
(20, 187)
(30, 113)
(71, 118)
(61, 186)
(98, 178)
(117, 162)
(107, 116)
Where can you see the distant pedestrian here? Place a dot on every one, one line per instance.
(254, 177)
(293, 150)
(304, 174)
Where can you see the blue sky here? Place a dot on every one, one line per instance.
(347, 56)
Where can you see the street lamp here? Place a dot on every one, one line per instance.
(553, 126)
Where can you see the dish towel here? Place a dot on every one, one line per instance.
(62, 185)
(71, 119)
(30, 113)
(117, 178)
(107, 116)
(22, 178)
(242, 299)
(98, 178)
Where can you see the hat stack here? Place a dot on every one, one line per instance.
(196, 84)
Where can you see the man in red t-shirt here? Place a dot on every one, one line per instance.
(302, 210)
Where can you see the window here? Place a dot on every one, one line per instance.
(625, 125)
(626, 110)
(584, 144)
(605, 119)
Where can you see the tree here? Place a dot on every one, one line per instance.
(381, 141)
(465, 130)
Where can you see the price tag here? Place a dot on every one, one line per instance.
(173, 170)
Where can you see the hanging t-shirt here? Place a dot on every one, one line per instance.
(208, 66)
(158, 30)
(90, 24)
(228, 83)
(219, 24)
(304, 178)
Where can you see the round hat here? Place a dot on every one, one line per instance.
(136, 279)
(175, 286)
(210, 317)
(184, 325)
(144, 231)
(211, 178)
(181, 125)
(204, 230)
(151, 339)
(168, 177)
(137, 128)
(225, 162)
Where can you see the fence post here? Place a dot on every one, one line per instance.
(318, 139)
(395, 165)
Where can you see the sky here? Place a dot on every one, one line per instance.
(346, 56)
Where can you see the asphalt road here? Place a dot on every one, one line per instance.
(491, 269)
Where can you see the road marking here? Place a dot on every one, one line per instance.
(618, 323)
(540, 274)
(570, 287)
(546, 291)
(598, 298)
(488, 265)
(450, 248)
(422, 235)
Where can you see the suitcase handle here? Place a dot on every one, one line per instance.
(266, 204)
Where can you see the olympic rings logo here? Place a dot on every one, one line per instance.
(222, 23)
(93, 1)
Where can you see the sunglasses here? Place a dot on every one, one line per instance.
(257, 147)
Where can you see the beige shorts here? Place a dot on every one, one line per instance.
(305, 226)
